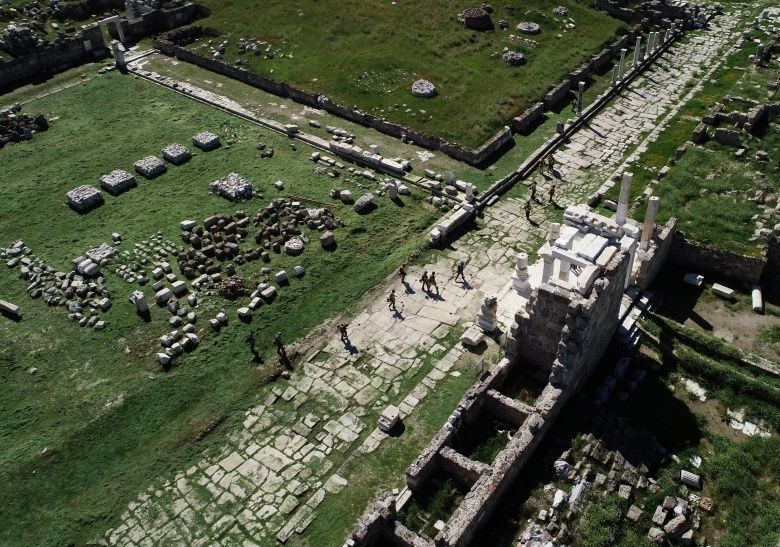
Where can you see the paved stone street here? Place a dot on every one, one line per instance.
(622, 131)
(271, 476)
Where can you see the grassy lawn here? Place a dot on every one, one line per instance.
(99, 421)
(708, 188)
(367, 54)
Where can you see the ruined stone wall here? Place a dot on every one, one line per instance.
(590, 327)
(90, 46)
(699, 258)
(158, 21)
(534, 336)
(657, 255)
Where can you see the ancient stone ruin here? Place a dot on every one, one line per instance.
(513, 58)
(117, 181)
(570, 300)
(176, 154)
(84, 198)
(476, 19)
(17, 127)
(206, 141)
(233, 187)
(150, 167)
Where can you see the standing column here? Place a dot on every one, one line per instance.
(580, 93)
(649, 226)
(119, 53)
(520, 278)
(625, 193)
(119, 30)
(614, 76)
(663, 38)
(547, 269)
(622, 65)
(649, 50)
(555, 233)
(629, 244)
(638, 51)
(672, 28)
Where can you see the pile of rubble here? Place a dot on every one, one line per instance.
(17, 127)
(216, 240)
(17, 40)
(233, 187)
(281, 220)
(232, 287)
(133, 265)
(82, 291)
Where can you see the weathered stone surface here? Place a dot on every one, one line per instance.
(364, 202)
(84, 198)
(117, 181)
(424, 89)
(233, 187)
(206, 141)
(150, 167)
(176, 154)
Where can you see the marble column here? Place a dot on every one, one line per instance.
(625, 193)
(649, 225)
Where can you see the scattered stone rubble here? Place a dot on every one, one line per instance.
(84, 198)
(233, 187)
(82, 291)
(16, 127)
(117, 181)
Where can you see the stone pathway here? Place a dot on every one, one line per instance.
(622, 131)
(272, 474)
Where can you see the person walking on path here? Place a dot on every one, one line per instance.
(426, 286)
(551, 191)
(391, 300)
(280, 347)
(402, 273)
(432, 282)
(343, 332)
(527, 208)
(533, 190)
(459, 267)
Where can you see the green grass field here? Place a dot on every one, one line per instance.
(367, 54)
(99, 420)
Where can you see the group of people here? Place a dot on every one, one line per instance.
(250, 341)
(427, 281)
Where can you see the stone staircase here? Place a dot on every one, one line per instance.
(636, 303)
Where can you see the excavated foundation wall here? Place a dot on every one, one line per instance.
(579, 329)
